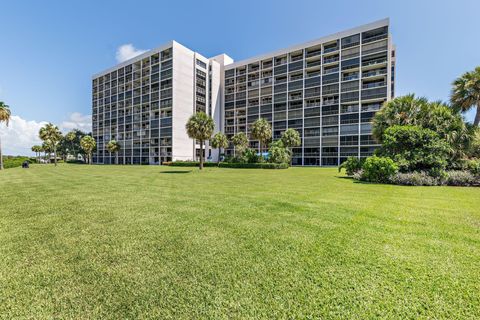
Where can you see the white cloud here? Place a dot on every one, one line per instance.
(127, 51)
(20, 135)
(77, 121)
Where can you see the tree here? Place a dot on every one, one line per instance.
(415, 148)
(240, 141)
(114, 147)
(52, 134)
(290, 138)
(88, 144)
(200, 127)
(46, 148)
(5, 115)
(37, 149)
(70, 144)
(466, 93)
(278, 153)
(219, 141)
(410, 110)
(261, 131)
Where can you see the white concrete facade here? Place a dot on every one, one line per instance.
(327, 89)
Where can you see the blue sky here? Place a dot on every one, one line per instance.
(50, 49)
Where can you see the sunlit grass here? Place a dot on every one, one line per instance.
(158, 242)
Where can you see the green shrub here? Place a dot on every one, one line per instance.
(250, 156)
(414, 148)
(351, 165)
(473, 166)
(75, 161)
(189, 164)
(278, 153)
(414, 179)
(379, 169)
(254, 165)
(13, 162)
(461, 178)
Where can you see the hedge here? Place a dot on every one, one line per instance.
(189, 164)
(13, 162)
(254, 165)
(228, 165)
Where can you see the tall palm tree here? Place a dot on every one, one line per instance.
(200, 126)
(4, 117)
(52, 134)
(240, 141)
(88, 144)
(47, 149)
(466, 93)
(114, 147)
(219, 141)
(37, 149)
(261, 131)
(291, 138)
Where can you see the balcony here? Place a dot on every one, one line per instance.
(330, 70)
(373, 85)
(374, 62)
(374, 73)
(374, 38)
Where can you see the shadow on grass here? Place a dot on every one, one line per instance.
(177, 171)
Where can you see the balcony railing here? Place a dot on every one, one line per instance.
(373, 85)
(375, 38)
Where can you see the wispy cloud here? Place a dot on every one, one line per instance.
(20, 135)
(127, 51)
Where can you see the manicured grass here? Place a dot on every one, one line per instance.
(119, 242)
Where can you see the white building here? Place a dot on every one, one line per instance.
(327, 89)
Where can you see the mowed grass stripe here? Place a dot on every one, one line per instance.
(160, 242)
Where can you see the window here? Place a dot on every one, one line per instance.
(201, 64)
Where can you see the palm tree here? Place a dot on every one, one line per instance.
(37, 149)
(70, 137)
(466, 93)
(240, 141)
(200, 127)
(88, 145)
(290, 138)
(261, 131)
(4, 117)
(114, 147)
(219, 141)
(52, 134)
(46, 148)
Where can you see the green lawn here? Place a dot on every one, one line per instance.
(119, 242)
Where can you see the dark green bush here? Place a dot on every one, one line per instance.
(473, 166)
(379, 169)
(13, 162)
(189, 164)
(351, 165)
(250, 156)
(278, 153)
(254, 165)
(414, 148)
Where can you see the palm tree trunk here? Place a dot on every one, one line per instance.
(201, 154)
(1, 155)
(55, 155)
(477, 116)
(260, 145)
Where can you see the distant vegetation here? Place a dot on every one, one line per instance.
(13, 162)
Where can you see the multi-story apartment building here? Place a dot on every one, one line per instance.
(327, 89)
(144, 104)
